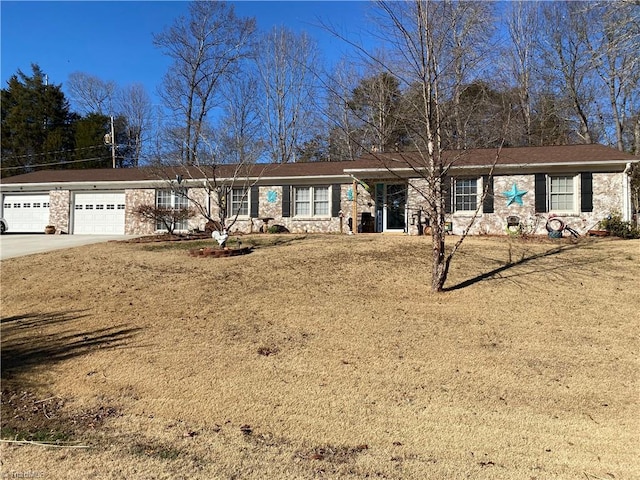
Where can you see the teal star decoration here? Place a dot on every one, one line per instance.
(350, 194)
(514, 195)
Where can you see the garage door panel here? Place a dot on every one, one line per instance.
(26, 213)
(99, 213)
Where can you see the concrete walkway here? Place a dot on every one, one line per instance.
(19, 245)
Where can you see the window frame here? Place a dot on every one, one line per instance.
(175, 201)
(465, 195)
(316, 207)
(243, 202)
(565, 207)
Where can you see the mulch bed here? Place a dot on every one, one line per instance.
(219, 252)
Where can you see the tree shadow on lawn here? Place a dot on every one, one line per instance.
(25, 347)
(512, 264)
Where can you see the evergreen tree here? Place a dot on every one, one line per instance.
(89, 141)
(35, 123)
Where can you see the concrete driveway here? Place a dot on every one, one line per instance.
(18, 245)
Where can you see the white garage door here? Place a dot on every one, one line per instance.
(26, 213)
(98, 213)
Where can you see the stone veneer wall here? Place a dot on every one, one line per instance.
(270, 206)
(133, 223)
(607, 198)
(199, 195)
(60, 210)
(496, 223)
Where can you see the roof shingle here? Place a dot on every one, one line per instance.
(570, 154)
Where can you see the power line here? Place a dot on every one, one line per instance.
(54, 152)
(56, 163)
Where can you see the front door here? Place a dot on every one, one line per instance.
(391, 202)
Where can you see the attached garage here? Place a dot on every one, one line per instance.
(98, 213)
(26, 213)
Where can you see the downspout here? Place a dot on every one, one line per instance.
(354, 207)
(626, 193)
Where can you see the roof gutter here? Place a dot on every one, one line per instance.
(499, 167)
(193, 182)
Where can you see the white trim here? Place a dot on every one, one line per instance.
(312, 202)
(233, 213)
(479, 190)
(385, 212)
(539, 167)
(627, 206)
(576, 193)
(161, 184)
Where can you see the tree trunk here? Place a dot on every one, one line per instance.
(440, 264)
(636, 136)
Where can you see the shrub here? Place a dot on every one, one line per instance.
(169, 217)
(278, 229)
(618, 227)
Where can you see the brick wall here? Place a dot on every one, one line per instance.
(60, 209)
(133, 223)
(607, 198)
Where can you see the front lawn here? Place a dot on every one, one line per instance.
(323, 356)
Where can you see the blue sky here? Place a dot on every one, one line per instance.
(113, 40)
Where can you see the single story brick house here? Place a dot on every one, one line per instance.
(581, 184)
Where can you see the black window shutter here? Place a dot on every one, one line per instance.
(446, 194)
(255, 201)
(487, 184)
(586, 188)
(335, 200)
(286, 201)
(541, 193)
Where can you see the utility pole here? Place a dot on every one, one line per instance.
(113, 144)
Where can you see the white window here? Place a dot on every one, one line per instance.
(239, 202)
(466, 194)
(311, 201)
(561, 194)
(170, 200)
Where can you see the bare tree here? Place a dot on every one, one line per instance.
(567, 58)
(613, 41)
(376, 102)
(418, 34)
(91, 94)
(285, 64)
(217, 192)
(134, 104)
(523, 23)
(471, 28)
(238, 135)
(205, 49)
(343, 126)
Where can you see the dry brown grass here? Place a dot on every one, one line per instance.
(324, 357)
